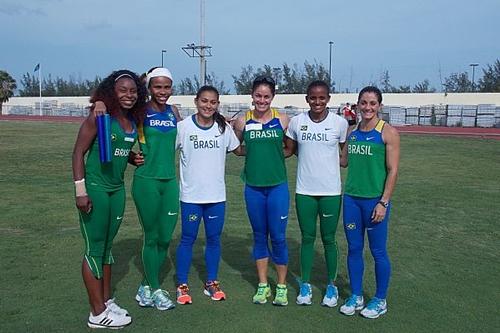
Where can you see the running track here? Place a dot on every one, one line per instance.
(478, 132)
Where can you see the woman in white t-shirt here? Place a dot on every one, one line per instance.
(317, 137)
(203, 141)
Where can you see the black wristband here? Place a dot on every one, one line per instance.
(384, 204)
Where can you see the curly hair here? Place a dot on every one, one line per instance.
(105, 93)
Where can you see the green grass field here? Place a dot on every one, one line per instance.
(444, 245)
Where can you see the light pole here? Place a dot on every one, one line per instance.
(330, 67)
(473, 65)
(162, 52)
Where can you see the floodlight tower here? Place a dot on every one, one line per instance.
(200, 51)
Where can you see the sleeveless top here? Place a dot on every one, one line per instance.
(265, 161)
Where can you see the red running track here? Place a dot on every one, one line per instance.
(487, 133)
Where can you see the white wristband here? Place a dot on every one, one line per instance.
(80, 189)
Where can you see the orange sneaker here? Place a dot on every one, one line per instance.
(183, 296)
(212, 289)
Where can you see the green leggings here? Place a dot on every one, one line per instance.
(100, 227)
(308, 209)
(157, 203)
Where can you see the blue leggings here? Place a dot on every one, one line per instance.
(357, 218)
(267, 209)
(191, 214)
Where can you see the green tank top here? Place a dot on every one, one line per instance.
(157, 142)
(265, 161)
(367, 170)
(109, 176)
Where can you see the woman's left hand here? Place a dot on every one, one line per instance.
(378, 213)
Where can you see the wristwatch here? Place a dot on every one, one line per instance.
(383, 203)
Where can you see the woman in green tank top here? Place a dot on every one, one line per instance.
(266, 188)
(101, 202)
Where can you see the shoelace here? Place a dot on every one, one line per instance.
(184, 289)
(280, 292)
(330, 291)
(305, 289)
(213, 286)
(351, 301)
(374, 304)
(261, 290)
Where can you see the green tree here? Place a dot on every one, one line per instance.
(457, 82)
(403, 89)
(490, 82)
(423, 87)
(30, 86)
(290, 79)
(385, 82)
(243, 82)
(190, 86)
(7, 87)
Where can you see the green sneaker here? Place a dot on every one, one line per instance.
(281, 295)
(263, 292)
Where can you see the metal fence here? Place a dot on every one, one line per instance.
(482, 115)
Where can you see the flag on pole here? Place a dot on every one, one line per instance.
(37, 67)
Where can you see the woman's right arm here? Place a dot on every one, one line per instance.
(86, 136)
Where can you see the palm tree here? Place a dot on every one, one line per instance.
(7, 87)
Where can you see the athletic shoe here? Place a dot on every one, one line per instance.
(375, 308)
(143, 296)
(352, 304)
(331, 296)
(162, 301)
(281, 295)
(111, 304)
(305, 295)
(108, 319)
(183, 296)
(212, 289)
(263, 292)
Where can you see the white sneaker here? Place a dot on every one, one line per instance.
(352, 304)
(143, 296)
(161, 301)
(108, 319)
(375, 308)
(113, 306)
(331, 296)
(305, 294)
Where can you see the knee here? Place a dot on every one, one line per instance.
(379, 253)
(328, 239)
(213, 241)
(150, 242)
(308, 239)
(355, 249)
(163, 244)
(188, 239)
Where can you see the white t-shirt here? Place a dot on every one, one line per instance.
(203, 160)
(318, 170)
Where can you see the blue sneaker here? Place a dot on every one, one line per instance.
(144, 297)
(305, 295)
(352, 304)
(161, 300)
(375, 308)
(331, 296)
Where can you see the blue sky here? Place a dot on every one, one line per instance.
(412, 40)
